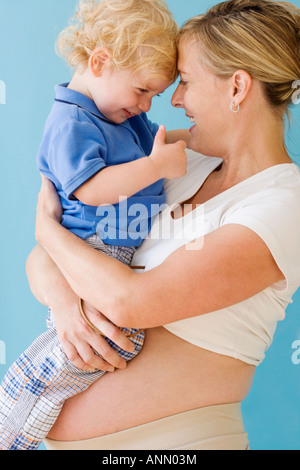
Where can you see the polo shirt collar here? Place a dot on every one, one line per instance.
(69, 96)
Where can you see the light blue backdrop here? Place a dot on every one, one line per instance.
(29, 70)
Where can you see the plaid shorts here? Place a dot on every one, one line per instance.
(36, 386)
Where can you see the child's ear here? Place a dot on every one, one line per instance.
(98, 59)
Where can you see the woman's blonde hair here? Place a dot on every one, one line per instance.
(139, 34)
(261, 37)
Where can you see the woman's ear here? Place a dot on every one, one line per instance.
(241, 85)
(98, 59)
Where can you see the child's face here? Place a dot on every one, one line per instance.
(121, 94)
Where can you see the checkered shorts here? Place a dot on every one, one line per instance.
(36, 386)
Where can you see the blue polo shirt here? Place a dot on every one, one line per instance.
(79, 142)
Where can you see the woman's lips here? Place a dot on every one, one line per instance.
(192, 120)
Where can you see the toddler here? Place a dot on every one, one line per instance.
(107, 161)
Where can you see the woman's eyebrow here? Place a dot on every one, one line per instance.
(182, 72)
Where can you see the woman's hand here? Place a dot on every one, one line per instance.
(80, 343)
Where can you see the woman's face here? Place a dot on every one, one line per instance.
(206, 100)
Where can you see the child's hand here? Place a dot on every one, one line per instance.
(170, 159)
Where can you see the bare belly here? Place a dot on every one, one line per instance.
(168, 377)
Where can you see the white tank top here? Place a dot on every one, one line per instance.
(267, 203)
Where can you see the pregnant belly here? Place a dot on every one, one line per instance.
(169, 376)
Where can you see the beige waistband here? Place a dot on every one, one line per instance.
(211, 428)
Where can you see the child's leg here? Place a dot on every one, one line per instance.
(37, 385)
(35, 388)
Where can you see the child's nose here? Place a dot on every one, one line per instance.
(145, 104)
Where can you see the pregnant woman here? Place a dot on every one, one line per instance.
(212, 292)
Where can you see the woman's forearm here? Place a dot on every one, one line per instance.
(46, 281)
(78, 341)
(93, 276)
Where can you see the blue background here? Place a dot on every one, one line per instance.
(30, 69)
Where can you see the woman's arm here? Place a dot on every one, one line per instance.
(45, 279)
(78, 341)
(233, 265)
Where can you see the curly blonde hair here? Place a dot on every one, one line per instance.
(139, 34)
(261, 37)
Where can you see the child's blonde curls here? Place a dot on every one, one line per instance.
(140, 35)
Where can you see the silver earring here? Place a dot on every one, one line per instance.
(233, 108)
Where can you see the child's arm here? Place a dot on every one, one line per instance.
(106, 187)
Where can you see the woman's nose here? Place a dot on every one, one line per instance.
(177, 98)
